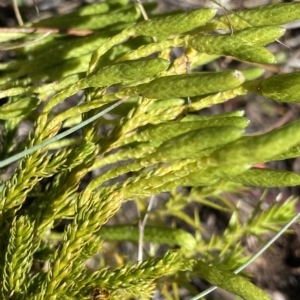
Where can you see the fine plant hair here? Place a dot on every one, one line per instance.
(57, 198)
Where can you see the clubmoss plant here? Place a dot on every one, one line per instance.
(153, 143)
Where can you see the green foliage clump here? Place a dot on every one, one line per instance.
(153, 143)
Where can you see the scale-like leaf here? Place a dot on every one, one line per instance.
(186, 85)
(208, 176)
(160, 235)
(165, 131)
(259, 35)
(244, 44)
(18, 257)
(174, 24)
(229, 281)
(266, 178)
(190, 144)
(291, 153)
(125, 72)
(282, 87)
(253, 73)
(19, 108)
(276, 14)
(255, 149)
(122, 72)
